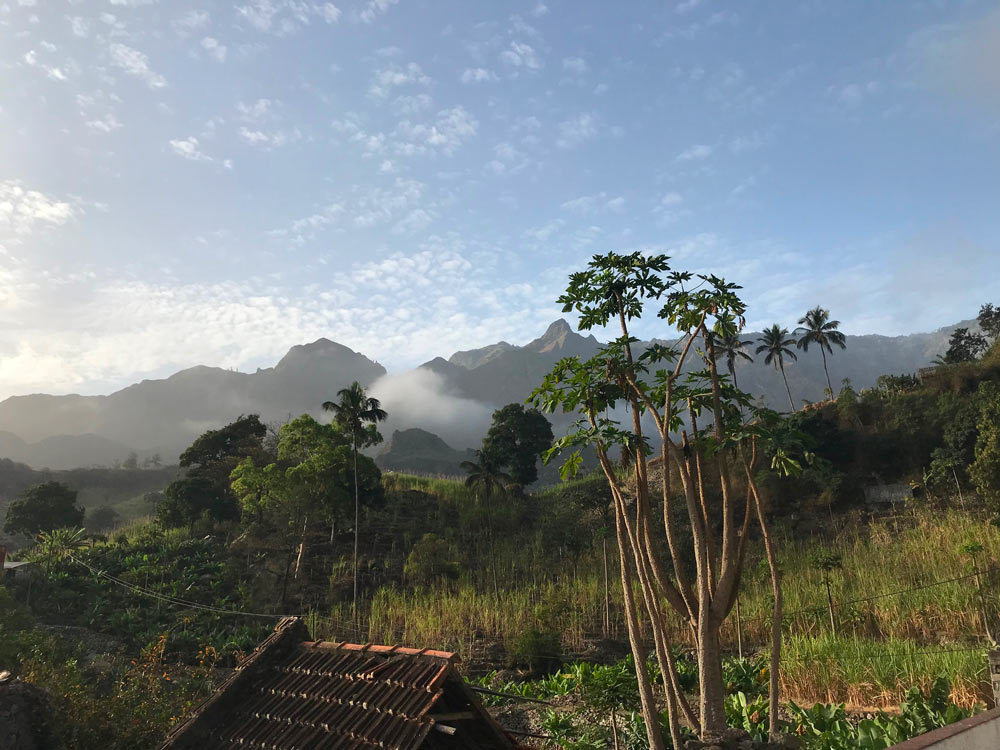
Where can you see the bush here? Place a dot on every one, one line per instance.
(540, 651)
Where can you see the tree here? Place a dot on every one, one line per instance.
(985, 469)
(989, 321)
(487, 481)
(964, 347)
(615, 288)
(826, 562)
(131, 462)
(515, 442)
(311, 480)
(773, 342)
(204, 490)
(58, 544)
(357, 414)
(102, 519)
(46, 506)
(817, 328)
(732, 348)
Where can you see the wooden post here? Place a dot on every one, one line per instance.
(961, 499)
(994, 661)
(614, 727)
(3, 559)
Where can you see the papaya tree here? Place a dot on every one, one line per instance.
(678, 402)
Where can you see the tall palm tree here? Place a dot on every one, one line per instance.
(732, 348)
(817, 328)
(773, 342)
(357, 413)
(487, 481)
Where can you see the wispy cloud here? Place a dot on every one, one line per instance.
(135, 64)
(695, 153)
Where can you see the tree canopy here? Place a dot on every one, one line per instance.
(515, 441)
(46, 506)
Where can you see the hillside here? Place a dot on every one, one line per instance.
(164, 416)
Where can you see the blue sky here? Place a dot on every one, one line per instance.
(211, 183)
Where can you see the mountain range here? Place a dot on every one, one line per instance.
(451, 399)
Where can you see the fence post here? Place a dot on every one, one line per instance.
(739, 627)
(3, 558)
(994, 657)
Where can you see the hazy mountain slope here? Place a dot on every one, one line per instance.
(420, 451)
(454, 401)
(165, 415)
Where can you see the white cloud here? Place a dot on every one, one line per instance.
(375, 8)
(671, 199)
(411, 105)
(576, 130)
(853, 94)
(695, 153)
(478, 75)
(135, 64)
(212, 46)
(389, 78)
(255, 111)
(450, 129)
(133, 3)
(587, 205)
(269, 139)
(540, 10)
(576, 65)
(283, 17)
(190, 149)
(521, 55)
(106, 124)
(22, 210)
(192, 20)
(79, 26)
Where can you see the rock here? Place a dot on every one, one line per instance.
(23, 712)
(791, 742)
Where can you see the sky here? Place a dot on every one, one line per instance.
(189, 183)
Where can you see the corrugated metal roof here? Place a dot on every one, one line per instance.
(296, 694)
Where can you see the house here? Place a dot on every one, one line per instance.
(293, 693)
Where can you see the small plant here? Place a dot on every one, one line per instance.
(540, 651)
(748, 714)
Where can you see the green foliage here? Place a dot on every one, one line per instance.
(964, 346)
(101, 519)
(46, 506)
(515, 441)
(205, 490)
(747, 675)
(536, 649)
(430, 560)
(748, 714)
(826, 560)
(985, 469)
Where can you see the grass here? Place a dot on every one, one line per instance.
(886, 643)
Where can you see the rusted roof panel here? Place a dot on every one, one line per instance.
(295, 694)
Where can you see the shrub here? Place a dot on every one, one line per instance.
(540, 651)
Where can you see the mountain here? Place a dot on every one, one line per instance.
(453, 396)
(164, 416)
(420, 451)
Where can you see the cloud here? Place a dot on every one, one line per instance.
(853, 94)
(192, 20)
(687, 6)
(695, 153)
(540, 10)
(375, 8)
(23, 210)
(189, 148)
(255, 111)
(521, 55)
(576, 130)
(420, 398)
(450, 129)
(587, 205)
(212, 46)
(106, 124)
(135, 64)
(269, 139)
(478, 75)
(393, 77)
(283, 17)
(576, 65)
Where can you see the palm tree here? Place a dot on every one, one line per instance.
(773, 342)
(59, 544)
(817, 328)
(732, 348)
(357, 413)
(487, 481)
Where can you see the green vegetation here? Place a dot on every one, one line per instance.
(883, 606)
(44, 507)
